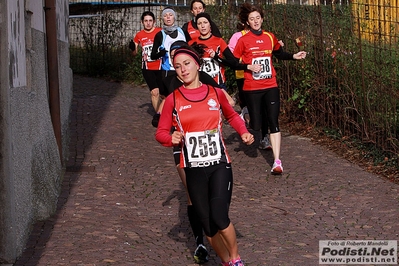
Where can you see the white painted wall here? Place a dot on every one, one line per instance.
(16, 42)
(36, 7)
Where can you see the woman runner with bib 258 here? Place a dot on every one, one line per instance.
(260, 88)
(195, 111)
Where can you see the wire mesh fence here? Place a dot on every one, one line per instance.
(348, 83)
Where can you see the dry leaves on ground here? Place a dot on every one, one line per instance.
(343, 148)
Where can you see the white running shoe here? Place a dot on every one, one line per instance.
(201, 254)
(244, 111)
(265, 143)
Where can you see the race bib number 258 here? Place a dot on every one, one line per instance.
(266, 70)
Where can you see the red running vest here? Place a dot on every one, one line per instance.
(201, 125)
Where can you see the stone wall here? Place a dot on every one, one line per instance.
(30, 167)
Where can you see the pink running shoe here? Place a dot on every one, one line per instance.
(277, 168)
(237, 262)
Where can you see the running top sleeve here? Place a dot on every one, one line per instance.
(155, 54)
(230, 61)
(162, 134)
(282, 55)
(233, 40)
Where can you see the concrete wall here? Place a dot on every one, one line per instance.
(30, 167)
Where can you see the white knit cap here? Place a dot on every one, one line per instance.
(168, 10)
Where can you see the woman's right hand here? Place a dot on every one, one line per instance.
(211, 53)
(247, 138)
(176, 137)
(255, 68)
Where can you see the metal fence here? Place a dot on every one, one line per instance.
(348, 84)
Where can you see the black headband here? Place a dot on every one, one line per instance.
(178, 44)
(188, 52)
(203, 15)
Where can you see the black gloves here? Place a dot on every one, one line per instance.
(217, 58)
(132, 45)
(161, 52)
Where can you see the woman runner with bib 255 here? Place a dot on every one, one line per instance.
(260, 88)
(195, 111)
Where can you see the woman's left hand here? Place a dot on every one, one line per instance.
(247, 138)
(300, 55)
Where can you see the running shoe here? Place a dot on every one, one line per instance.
(277, 168)
(155, 119)
(244, 111)
(201, 254)
(237, 262)
(265, 143)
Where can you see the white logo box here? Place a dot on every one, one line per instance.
(376, 252)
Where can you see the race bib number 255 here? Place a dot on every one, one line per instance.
(203, 146)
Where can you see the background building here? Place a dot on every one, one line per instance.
(35, 99)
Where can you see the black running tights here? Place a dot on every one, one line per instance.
(210, 190)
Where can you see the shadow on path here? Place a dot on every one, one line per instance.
(89, 104)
